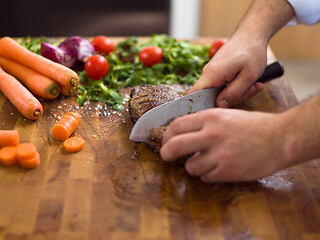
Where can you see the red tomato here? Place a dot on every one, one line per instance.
(150, 55)
(216, 45)
(102, 44)
(96, 67)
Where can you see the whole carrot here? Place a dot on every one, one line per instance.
(37, 83)
(67, 90)
(9, 138)
(66, 126)
(11, 49)
(19, 96)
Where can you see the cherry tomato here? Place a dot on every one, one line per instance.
(150, 55)
(216, 45)
(102, 44)
(96, 67)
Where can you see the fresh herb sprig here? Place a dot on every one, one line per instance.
(99, 91)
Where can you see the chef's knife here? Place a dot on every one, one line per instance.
(194, 102)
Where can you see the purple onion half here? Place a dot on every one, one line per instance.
(80, 47)
(70, 52)
(62, 56)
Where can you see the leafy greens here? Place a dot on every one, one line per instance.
(182, 63)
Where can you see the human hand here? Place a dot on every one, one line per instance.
(229, 145)
(240, 63)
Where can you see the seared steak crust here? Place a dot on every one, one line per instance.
(156, 138)
(144, 98)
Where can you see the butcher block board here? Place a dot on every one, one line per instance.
(118, 189)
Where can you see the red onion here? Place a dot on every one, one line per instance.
(70, 52)
(80, 47)
(58, 55)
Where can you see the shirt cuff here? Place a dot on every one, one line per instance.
(307, 11)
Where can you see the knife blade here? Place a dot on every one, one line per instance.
(194, 102)
(165, 113)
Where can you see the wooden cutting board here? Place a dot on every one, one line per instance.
(118, 189)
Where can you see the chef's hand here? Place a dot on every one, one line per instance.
(229, 145)
(240, 63)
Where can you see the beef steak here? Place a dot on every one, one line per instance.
(143, 99)
(146, 97)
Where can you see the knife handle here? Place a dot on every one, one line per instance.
(273, 70)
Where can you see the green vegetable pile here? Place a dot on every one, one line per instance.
(182, 63)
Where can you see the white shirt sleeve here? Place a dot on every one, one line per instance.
(307, 11)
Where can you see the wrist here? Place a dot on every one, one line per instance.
(301, 127)
(291, 147)
(264, 18)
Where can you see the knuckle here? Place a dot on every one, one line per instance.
(234, 94)
(250, 74)
(210, 178)
(172, 147)
(219, 173)
(191, 168)
(211, 136)
(176, 125)
(223, 171)
(222, 174)
(206, 68)
(229, 169)
(206, 179)
(209, 67)
(210, 133)
(211, 115)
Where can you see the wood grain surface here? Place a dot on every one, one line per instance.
(118, 189)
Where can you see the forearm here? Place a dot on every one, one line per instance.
(264, 18)
(301, 125)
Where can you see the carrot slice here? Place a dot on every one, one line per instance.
(25, 151)
(61, 131)
(75, 115)
(31, 162)
(8, 155)
(37, 83)
(66, 126)
(9, 138)
(73, 144)
(19, 96)
(9, 48)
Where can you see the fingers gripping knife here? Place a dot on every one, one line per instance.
(194, 102)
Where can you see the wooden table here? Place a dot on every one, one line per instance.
(118, 189)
